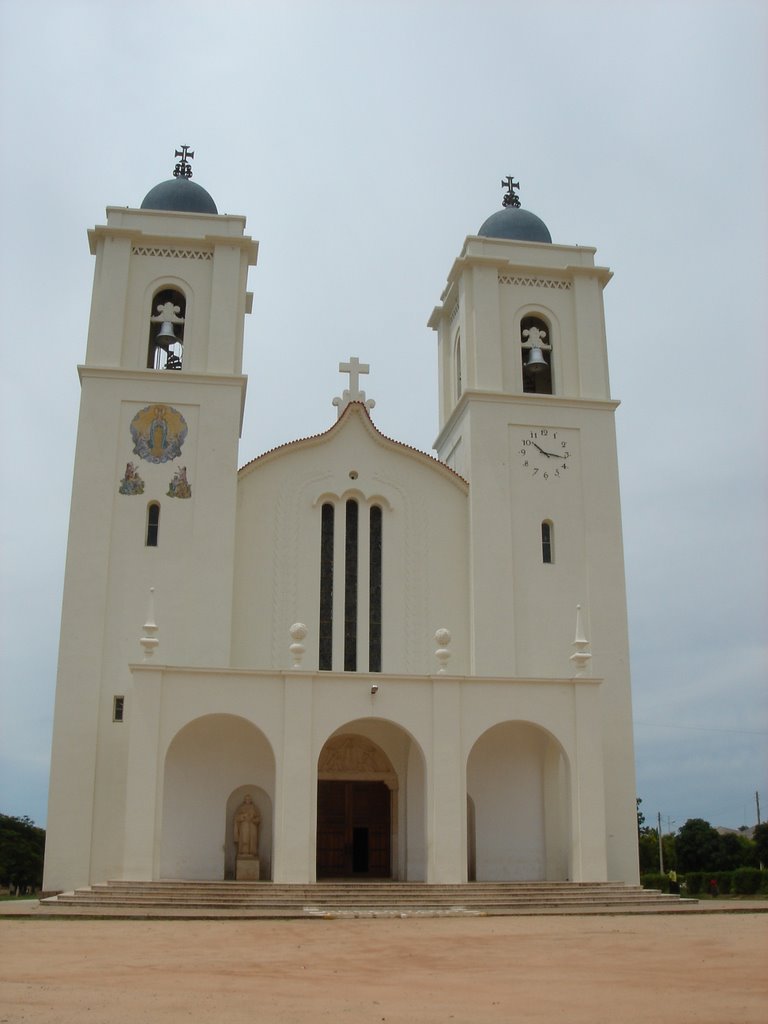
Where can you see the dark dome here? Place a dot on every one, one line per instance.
(179, 194)
(515, 223)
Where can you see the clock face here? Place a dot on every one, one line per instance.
(545, 453)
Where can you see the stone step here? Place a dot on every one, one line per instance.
(373, 897)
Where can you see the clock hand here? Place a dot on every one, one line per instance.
(550, 455)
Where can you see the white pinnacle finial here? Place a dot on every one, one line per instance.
(581, 656)
(298, 631)
(149, 641)
(353, 393)
(442, 639)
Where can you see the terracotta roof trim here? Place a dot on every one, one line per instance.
(359, 408)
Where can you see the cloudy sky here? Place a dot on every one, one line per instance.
(364, 140)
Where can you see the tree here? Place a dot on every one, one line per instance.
(22, 845)
(736, 852)
(641, 826)
(698, 846)
(760, 837)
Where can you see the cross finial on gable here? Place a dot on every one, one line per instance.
(353, 393)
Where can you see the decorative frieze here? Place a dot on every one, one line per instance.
(161, 250)
(535, 282)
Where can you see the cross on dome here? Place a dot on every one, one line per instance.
(183, 168)
(510, 197)
(353, 393)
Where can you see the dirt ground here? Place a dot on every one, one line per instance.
(665, 969)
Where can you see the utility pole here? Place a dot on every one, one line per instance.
(661, 849)
(757, 804)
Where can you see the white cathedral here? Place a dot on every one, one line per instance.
(348, 658)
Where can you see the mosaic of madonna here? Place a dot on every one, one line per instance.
(158, 433)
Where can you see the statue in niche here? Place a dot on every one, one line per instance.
(245, 829)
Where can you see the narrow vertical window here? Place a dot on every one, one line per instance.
(374, 598)
(118, 708)
(459, 383)
(350, 589)
(546, 542)
(325, 659)
(153, 524)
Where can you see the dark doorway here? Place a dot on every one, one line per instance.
(353, 830)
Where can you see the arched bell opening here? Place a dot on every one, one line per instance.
(166, 330)
(536, 355)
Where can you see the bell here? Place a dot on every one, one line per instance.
(536, 361)
(165, 336)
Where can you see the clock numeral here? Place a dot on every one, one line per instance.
(534, 434)
(536, 471)
(544, 433)
(546, 476)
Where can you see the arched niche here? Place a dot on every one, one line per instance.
(518, 782)
(207, 762)
(263, 804)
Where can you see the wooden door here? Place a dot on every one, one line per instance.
(353, 830)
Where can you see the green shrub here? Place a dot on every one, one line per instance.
(763, 887)
(694, 882)
(746, 881)
(723, 879)
(655, 880)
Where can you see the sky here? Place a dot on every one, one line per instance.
(364, 141)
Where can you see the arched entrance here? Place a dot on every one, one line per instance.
(518, 785)
(210, 763)
(356, 797)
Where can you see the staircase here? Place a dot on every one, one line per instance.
(356, 899)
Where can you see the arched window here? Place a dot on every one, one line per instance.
(536, 355)
(350, 588)
(374, 584)
(346, 565)
(326, 588)
(547, 542)
(166, 330)
(153, 524)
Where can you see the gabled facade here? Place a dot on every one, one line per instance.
(367, 649)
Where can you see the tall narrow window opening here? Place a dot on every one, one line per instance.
(350, 588)
(459, 383)
(536, 353)
(118, 709)
(326, 588)
(166, 330)
(547, 538)
(374, 599)
(153, 524)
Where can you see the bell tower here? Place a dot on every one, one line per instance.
(526, 416)
(154, 490)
